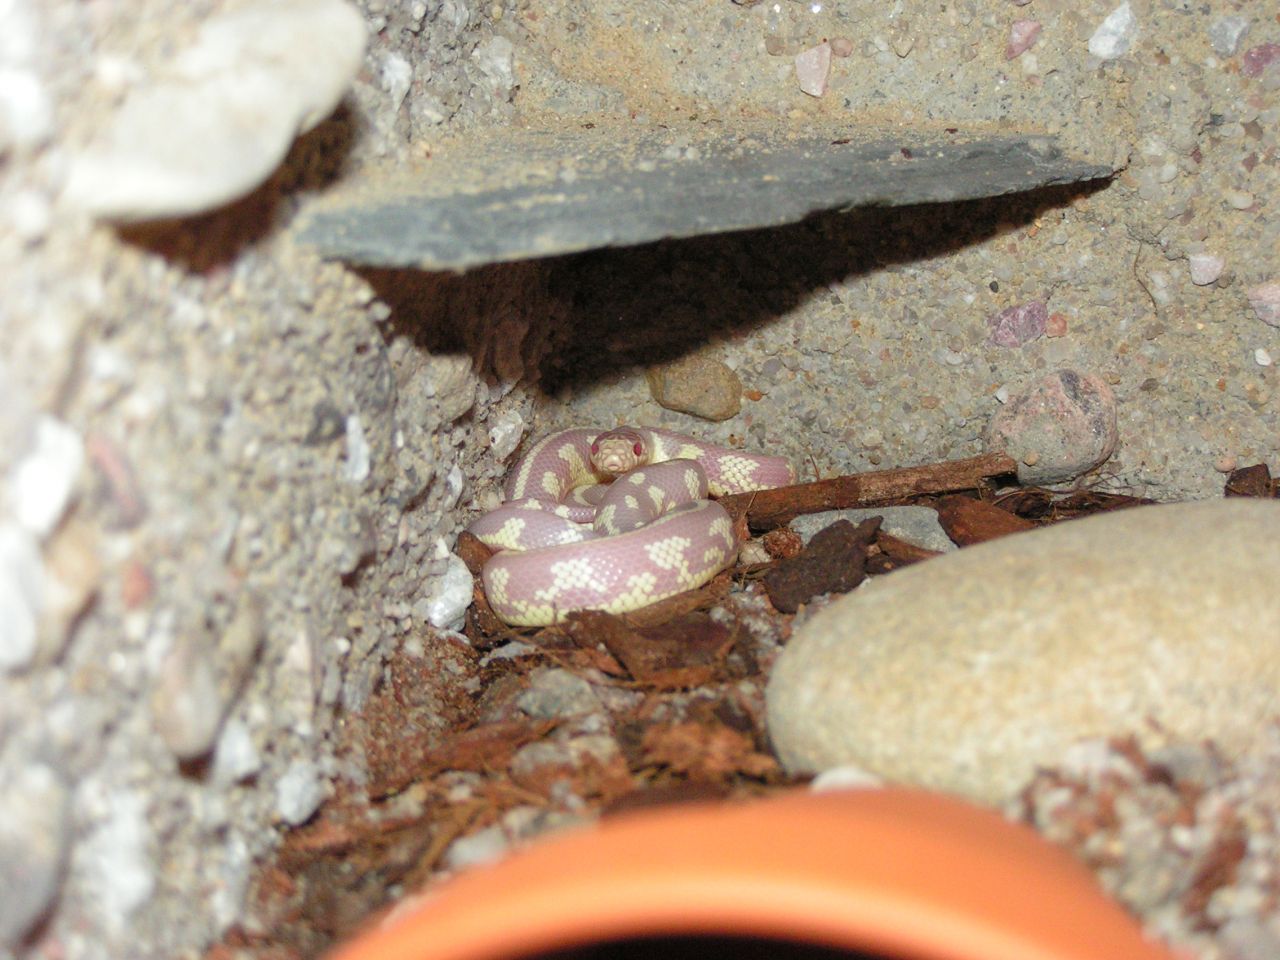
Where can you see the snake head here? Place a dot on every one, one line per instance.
(618, 451)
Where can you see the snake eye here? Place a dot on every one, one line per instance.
(595, 448)
(637, 448)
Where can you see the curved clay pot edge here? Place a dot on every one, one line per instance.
(834, 867)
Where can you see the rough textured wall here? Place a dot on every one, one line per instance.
(230, 480)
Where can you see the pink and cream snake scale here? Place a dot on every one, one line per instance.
(566, 542)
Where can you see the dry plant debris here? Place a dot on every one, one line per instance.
(605, 713)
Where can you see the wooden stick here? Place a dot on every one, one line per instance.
(767, 509)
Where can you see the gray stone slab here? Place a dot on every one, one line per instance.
(514, 194)
(918, 525)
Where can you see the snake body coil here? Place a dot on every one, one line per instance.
(568, 543)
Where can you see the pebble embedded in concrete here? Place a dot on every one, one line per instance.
(1264, 299)
(451, 594)
(1059, 427)
(1115, 34)
(115, 858)
(1225, 34)
(813, 67)
(22, 588)
(1205, 268)
(35, 833)
(40, 484)
(1019, 325)
(300, 791)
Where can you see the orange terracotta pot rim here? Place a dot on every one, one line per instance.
(906, 873)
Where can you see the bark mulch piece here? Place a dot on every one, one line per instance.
(835, 561)
(686, 651)
(706, 752)
(1254, 481)
(968, 521)
(1037, 503)
(894, 553)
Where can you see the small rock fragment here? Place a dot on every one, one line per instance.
(1055, 326)
(396, 76)
(915, 524)
(299, 792)
(115, 859)
(357, 463)
(505, 434)
(221, 117)
(236, 756)
(813, 67)
(1225, 35)
(1257, 59)
(34, 836)
(72, 575)
(1265, 301)
(495, 57)
(451, 594)
(1115, 34)
(1016, 326)
(556, 693)
(26, 110)
(697, 385)
(186, 701)
(1205, 268)
(483, 846)
(40, 484)
(841, 47)
(22, 587)
(1060, 427)
(1261, 357)
(1238, 199)
(1022, 35)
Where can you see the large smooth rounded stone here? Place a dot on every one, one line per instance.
(966, 672)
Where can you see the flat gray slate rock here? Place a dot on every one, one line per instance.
(515, 194)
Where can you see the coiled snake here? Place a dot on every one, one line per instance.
(568, 543)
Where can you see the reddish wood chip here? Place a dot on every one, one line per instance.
(683, 652)
(901, 552)
(705, 752)
(969, 521)
(1254, 481)
(472, 552)
(1217, 869)
(783, 543)
(834, 562)
(488, 747)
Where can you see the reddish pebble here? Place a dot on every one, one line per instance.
(135, 585)
(813, 66)
(1056, 325)
(1256, 59)
(1061, 426)
(1019, 325)
(1265, 300)
(1022, 34)
(841, 46)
